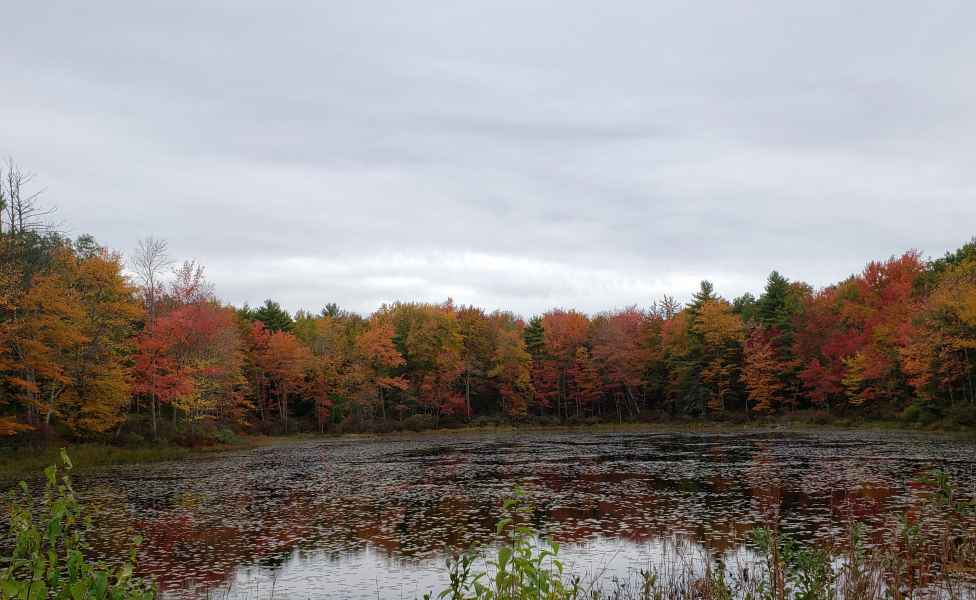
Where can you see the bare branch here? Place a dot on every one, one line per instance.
(149, 262)
(21, 210)
(191, 284)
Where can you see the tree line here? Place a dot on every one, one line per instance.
(94, 346)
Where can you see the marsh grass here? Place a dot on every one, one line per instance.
(22, 460)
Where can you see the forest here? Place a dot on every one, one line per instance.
(98, 346)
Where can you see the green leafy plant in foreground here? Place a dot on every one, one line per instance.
(48, 555)
(793, 570)
(524, 567)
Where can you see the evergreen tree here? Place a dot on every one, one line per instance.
(746, 307)
(273, 316)
(773, 306)
(776, 312)
(332, 310)
(706, 293)
(534, 335)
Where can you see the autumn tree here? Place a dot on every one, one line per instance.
(283, 361)
(880, 310)
(9, 425)
(71, 341)
(622, 348)
(190, 353)
(429, 340)
(254, 341)
(477, 345)
(587, 387)
(43, 336)
(512, 371)
(333, 337)
(99, 393)
(680, 365)
(762, 372)
(720, 332)
(939, 354)
(150, 262)
(379, 359)
(564, 332)
(200, 363)
(822, 341)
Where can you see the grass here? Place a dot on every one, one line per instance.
(20, 460)
(17, 461)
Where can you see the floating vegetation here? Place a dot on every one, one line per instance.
(377, 518)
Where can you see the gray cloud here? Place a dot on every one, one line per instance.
(520, 155)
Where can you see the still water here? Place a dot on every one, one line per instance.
(375, 518)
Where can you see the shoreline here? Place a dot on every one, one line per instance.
(18, 461)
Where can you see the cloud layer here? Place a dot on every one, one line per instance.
(507, 154)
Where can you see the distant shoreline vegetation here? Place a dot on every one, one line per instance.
(94, 347)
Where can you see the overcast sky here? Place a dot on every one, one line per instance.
(518, 155)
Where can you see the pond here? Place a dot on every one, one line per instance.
(375, 518)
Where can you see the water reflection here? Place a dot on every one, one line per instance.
(373, 573)
(376, 518)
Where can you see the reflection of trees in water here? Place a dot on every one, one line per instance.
(409, 501)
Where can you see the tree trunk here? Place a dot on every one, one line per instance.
(283, 408)
(152, 401)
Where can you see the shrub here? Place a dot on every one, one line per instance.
(544, 421)
(385, 426)
(648, 415)
(919, 412)
(484, 421)
(350, 424)
(962, 415)
(227, 436)
(453, 421)
(820, 417)
(48, 558)
(911, 413)
(418, 423)
(131, 438)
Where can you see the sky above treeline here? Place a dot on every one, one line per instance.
(517, 155)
